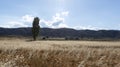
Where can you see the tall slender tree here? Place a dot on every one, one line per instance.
(35, 28)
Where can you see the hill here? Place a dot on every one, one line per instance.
(62, 32)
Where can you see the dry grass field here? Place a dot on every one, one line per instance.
(25, 53)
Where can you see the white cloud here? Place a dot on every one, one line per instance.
(87, 27)
(57, 21)
(24, 21)
(65, 13)
(27, 18)
(14, 24)
(62, 25)
(57, 18)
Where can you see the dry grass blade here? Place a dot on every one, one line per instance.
(20, 53)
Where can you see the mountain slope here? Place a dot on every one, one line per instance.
(62, 32)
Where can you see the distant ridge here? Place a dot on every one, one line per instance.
(62, 32)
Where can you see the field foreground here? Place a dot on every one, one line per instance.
(25, 53)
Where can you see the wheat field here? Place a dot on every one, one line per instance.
(19, 52)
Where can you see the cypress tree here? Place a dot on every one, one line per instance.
(35, 27)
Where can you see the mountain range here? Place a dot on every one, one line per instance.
(62, 33)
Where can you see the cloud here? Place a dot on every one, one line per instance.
(27, 18)
(24, 21)
(56, 24)
(87, 27)
(57, 21)
(65, 13)
(62, 25)
(14, 24)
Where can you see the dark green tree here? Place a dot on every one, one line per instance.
(35, 28)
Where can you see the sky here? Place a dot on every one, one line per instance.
(77, 14)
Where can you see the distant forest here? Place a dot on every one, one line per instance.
(66, 33)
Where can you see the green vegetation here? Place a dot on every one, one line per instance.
(35, 28)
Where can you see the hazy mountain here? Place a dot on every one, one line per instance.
(62, 32)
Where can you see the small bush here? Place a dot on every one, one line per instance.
(44, 38)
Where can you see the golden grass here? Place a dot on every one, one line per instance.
(24, 53)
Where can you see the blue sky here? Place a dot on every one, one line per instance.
(77, 14)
